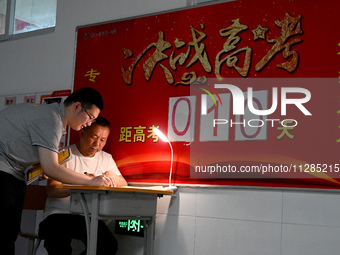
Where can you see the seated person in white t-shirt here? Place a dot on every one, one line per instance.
(59, 226)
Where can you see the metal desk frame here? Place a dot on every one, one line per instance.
(83, 194)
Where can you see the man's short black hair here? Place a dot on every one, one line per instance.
(87, 97)
(101, 121)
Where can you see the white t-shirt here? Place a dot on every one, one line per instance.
(100, 163)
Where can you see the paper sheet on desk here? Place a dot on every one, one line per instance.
(145, 187)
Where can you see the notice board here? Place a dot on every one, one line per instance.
(246, 91)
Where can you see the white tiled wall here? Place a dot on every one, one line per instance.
(320, 209)
(204, 221)
(310, 223)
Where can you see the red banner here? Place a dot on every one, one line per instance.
(154, 72)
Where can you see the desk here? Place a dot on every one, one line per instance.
(108, 202)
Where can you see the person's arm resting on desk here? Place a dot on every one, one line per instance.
(53, 192)
(49, 162)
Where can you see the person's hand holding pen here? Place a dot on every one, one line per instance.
(107, 179)
(105, 176)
